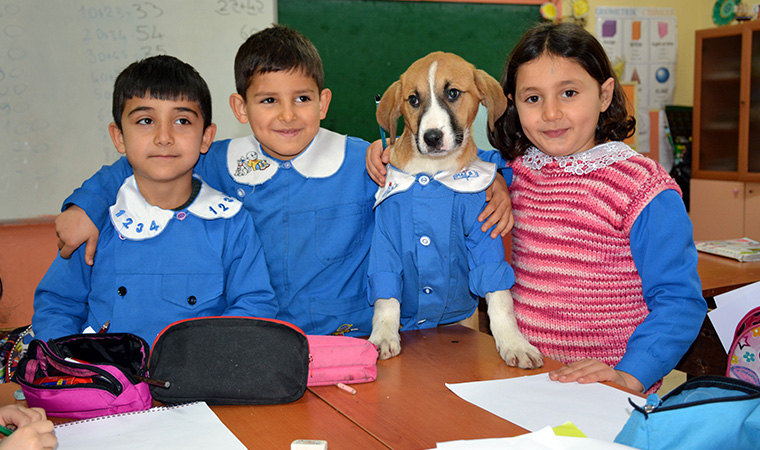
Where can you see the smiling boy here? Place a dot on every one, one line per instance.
(175, 248)
(305, 187)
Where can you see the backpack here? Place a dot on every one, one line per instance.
(743, 358)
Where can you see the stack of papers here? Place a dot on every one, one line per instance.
(535, 402)
(744, 249)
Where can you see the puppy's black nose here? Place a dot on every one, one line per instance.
(433, 138)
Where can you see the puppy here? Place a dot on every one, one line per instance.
(430, 261)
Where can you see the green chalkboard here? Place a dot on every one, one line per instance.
(366, 45)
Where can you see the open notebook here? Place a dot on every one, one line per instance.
(188, 426)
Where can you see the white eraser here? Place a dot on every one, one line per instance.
(308, 444)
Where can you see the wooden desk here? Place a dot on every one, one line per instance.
(276, 426)
(718, 275)
(409, 406)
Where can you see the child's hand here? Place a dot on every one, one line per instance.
(33, 430)
(377, 158)
(74, 228)
(591, 371)
(34, 436)
(498, 209)
(20, 415)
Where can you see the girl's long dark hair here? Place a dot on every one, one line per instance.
(565, 40)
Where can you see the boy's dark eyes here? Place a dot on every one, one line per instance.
(569, 93)
(304, 98)
(145, 121)
(183, 121)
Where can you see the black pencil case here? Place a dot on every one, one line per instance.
(230, 361)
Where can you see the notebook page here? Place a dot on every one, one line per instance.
(189, 426)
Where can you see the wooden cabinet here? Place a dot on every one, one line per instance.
(725, 183)
(727, 103)
(722, 209)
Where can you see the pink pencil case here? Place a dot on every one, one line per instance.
(95, 375)
(341, 359)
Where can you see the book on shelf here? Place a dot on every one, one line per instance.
(743, 249)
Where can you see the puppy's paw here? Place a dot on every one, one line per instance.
(385, 324)
(516, 351)
(387, 341)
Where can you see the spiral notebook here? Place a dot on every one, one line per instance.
(188, 426)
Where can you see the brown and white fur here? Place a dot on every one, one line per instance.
(438, 96)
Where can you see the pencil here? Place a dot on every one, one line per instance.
(153, 381)
(5, 431)
(382, 132)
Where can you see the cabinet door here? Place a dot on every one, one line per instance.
(753, 143)
(717, 209)
(717, 112)
(752, 211)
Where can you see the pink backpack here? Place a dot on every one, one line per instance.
(743, 357)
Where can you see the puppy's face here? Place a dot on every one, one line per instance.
(438, 96)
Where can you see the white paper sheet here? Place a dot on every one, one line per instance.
(543, 439)
(535, 402)
(731, 308)
(190, 426)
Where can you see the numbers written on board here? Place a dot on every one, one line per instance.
(230, 7)
(147, 10)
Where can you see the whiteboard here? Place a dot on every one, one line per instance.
(58, 62)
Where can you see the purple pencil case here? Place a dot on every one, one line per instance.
(86, 375)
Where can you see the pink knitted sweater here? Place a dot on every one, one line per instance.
(577, 293)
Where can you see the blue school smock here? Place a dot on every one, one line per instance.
(428, 250)
(313, 214)
(154, 267)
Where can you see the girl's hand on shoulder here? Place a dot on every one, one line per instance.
(591, 371)
(376, 159)
(498, 210)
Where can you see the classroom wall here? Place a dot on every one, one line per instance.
(692, 15)
(26, 251)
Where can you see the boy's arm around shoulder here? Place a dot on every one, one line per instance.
(247, 284)
(75, 226)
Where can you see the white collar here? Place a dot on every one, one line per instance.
(474, 178)
(136, 219)
(248, 164)
(599, 157)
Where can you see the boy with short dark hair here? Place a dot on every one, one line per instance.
(175, 248)
(305, 187)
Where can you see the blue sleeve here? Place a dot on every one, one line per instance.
(489, 270)
(663, 251)
(98, 193)
(385, 274)
(247, 287)
(60, 301)
(492, 156)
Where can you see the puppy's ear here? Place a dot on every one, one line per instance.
(493, 96)
(389, 110)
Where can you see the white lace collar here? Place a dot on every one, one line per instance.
(599, 157)
(474, 178)
(136, 219)
(248, 164)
